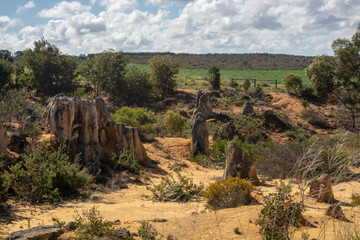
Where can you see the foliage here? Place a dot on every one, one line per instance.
(246, 85)
(305, 104)
(3, 166)
(171, 190)
(6, 69)
(127, 159)
(229, 193)
(162, 71)
(355, 199)
(293, 83)
(106, 71)
(53, 72)
(90, 224)
(148, 232)
(322, 75)
(137, 86)
(214, 78)
(141, 118)
(314, 119)
(45, 175)
(174, 122)
(279, 213)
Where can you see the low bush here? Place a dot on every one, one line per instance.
(170, 189)
(355, 199)
(141, 118)
(174, 122)
(229, 193)
(91, 225)
(279, 213)
(314, 119)
(126, 160)
(148, 232)
(293, 83)
(45, 175)
(246, 85)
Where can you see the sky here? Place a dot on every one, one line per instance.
(298, 27)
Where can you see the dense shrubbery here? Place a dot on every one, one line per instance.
(6, 70)
(174, 122)
(293, 83)
(279, 213)
(171, 190)
(232, 192)
(314, 118)
(45, 175)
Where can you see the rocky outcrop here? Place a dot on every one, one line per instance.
(272, 121)
(247, 108)
(18, 144)
(87, 126)
(37, 233)
(321, 189)
(239, 164)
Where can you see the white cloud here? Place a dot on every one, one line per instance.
(28, 5)
(291, 26)
(64, 9)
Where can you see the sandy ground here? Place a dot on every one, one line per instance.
(183, 220)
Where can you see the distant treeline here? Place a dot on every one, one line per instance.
(255, 61)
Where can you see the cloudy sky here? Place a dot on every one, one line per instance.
(301, 27)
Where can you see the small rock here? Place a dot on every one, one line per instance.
(160, 220)
(37, 233)
(335, 211)
(70, 226)
(248, 108)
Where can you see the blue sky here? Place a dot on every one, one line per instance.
(299, 27)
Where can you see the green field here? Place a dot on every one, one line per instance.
(195, 77)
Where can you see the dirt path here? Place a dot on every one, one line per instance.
(184, 220)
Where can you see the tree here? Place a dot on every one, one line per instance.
(106, 72)
(322, 75)
(162, 71)
(292, 82)
(214, 78)
(6, 70)
(138, 86)
(53, 72)
(341, 75)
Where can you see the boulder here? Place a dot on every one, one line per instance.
(335, 211)
(247, 108)
(227, 132)
(37, 233)
(199, 136)
(18, 144)
(239, 164)
(321, 189)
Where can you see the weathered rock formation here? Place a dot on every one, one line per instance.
(203, 106)
(239, 164)
(87, 126)
(247, 108)
(336, 211)
(3, 140)
(272, 121)
(199, 132)
(321, 189)
(18, 144)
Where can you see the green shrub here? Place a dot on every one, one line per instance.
(279, 213)
(46, 175)
(233, 84)
(174, 122)
(229, 193)
(127, 159)
(148, 232)
(246, 85)
(292, 82)
(214, 78)
(91, 225)
(355, 199)
(141, 118)
(172, 190)
(6, 69)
